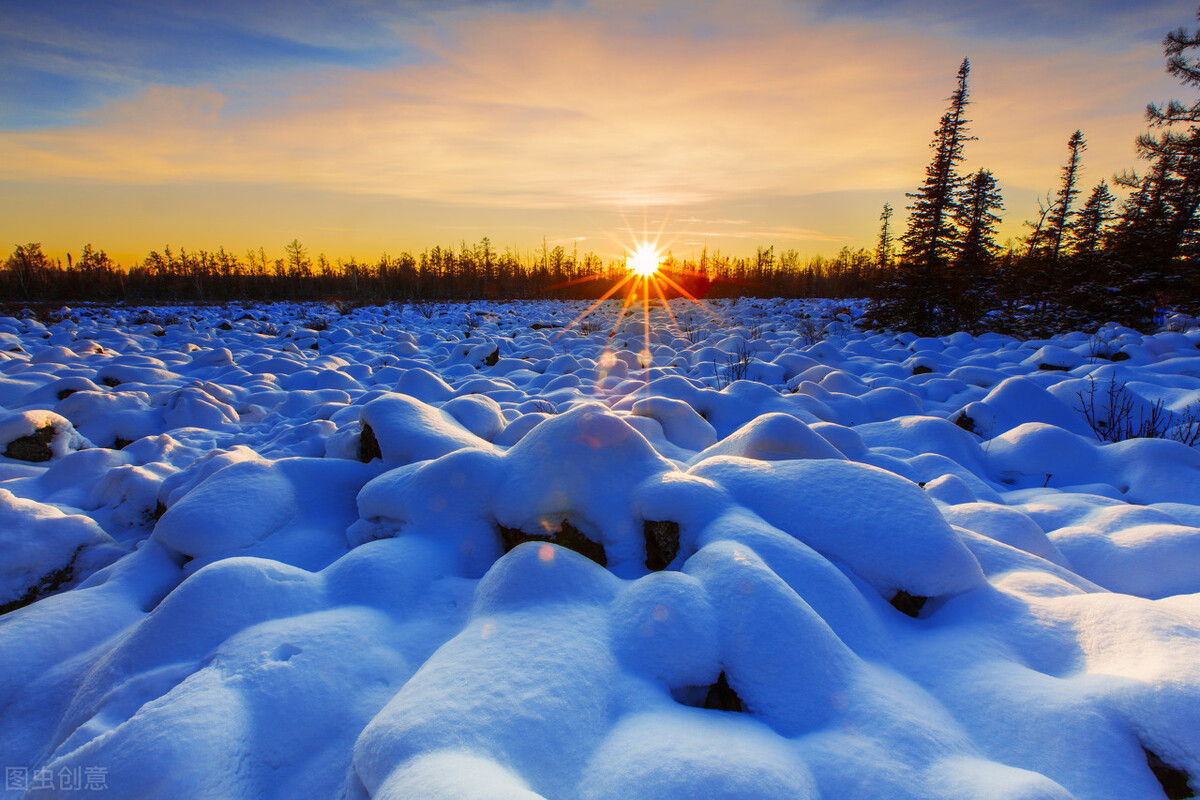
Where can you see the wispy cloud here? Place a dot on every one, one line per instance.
(601, 105)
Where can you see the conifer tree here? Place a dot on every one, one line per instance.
(977, 217)
(920, 299)
(973, 274)
(1089, 270)
(1058, 221)
(1046, 250)
(1089, 231)
(1157, 240)
(932, 238)
(883, 252)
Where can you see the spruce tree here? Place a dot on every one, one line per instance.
(883, 252)
(1157, 240)
(932, 238)
(1089, 270)
(921, 298)
(1058, 221)
(973, 273)
(1057, 225)
(1089, 231)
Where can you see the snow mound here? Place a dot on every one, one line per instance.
(486, 554)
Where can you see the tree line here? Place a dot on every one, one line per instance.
(1081, 264)
(469, 272)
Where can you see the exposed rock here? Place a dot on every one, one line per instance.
(718, 696)
(567, 536)
(662, 543)
(1174, 780)
(965, 422)
(921, 369)
(49, 583)
(722, 697)
(906, 603)
(491, 360)
(368, 445)
(35, 447)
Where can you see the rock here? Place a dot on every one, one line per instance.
(722, 697)
(49, 583)
(368, 445)
(907, 603)
(662, 543)
(35, 447)
(1174, 780)
(567, 536)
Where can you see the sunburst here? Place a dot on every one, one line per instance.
(643, 281)
(645, 261)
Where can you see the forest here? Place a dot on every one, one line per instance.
(1085, 260)
(470, 272)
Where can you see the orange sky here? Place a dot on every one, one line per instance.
(731, 125)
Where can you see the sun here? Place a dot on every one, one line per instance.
(643, 262)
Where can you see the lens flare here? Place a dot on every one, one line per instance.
(646, 282)
(644, 261)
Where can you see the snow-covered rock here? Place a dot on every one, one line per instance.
(486, 554)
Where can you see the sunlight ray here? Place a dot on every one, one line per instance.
(667, 305)
(612, 290)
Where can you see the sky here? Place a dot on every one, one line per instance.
(373, 126)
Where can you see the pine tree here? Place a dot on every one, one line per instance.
(1175, 46)
(921, 298)
(977, 217)
(1157, 240)
(883, 252)
(1058, 221)
(1089, 269)
(1089, 231)
(932, 238)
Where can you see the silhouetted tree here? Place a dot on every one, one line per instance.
(1058, 221)
(1089, 231)
(920, 298)
(1157, 239)
(25, 265)
(973, 271)
(932, 238)
(883, 251)
(297, 261)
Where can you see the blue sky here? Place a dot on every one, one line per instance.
(428, 123)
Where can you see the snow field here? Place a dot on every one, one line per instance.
(273, 552)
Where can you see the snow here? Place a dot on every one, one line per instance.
(457, 556)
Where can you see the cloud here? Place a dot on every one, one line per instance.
(538, 110)
(615, 105)
(1052, 22)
